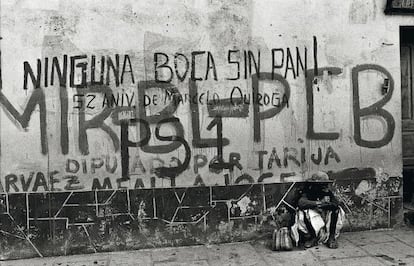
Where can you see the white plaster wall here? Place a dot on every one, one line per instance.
(349, 33)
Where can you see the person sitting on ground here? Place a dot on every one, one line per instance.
(319, 217)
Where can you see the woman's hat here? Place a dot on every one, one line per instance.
(319, 177)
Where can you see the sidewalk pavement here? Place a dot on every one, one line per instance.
(386, 247)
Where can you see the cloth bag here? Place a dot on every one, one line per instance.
(281, 239)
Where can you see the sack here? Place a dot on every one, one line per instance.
(276, 240)
(281, 239)
(286, 240)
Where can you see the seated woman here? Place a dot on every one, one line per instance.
(319, 217)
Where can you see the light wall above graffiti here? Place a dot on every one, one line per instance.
(106, 96)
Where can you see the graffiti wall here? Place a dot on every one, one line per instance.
(129, 124)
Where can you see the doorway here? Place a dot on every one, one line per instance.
(407, 105)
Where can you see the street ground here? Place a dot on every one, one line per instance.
(384, 247)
